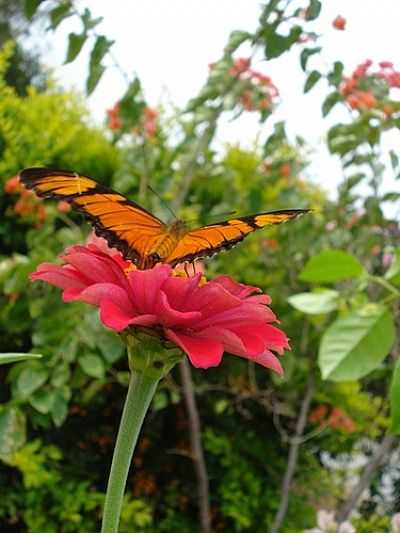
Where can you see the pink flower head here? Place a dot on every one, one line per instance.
(203, 319)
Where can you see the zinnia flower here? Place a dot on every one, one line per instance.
(203, 319)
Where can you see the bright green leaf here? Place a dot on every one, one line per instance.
(335, 76)
(277, 44)
(42, 401)
(92, 365)
(30, 7)
(31, 378)
(17, 357)
(110, 345)
(12, 431)
(306, 54)
(75, 44)
(356, 344)
(59, 13)
(311, 80)
(96, 69)
(315, 303)
(88, 21)
(331, 266)
(395, 400)
(95, 74)
(393, 272)
(330, 101)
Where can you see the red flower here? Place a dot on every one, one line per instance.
(204, 320)
(63, 206)
(12, 185)
(114, 119)
(339, 23)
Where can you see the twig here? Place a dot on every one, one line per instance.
(293, 456)
(197, 448)
(378, 459)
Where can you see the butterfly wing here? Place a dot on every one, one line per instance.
(124, 224)
(211, 239)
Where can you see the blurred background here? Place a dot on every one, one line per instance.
(219, 107)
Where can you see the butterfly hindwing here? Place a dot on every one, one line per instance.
(209, 240)
(123, 223)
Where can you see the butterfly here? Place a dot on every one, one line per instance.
(140, 236)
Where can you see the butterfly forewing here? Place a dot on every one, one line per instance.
(124, 224)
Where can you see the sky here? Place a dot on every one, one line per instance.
(169, 45)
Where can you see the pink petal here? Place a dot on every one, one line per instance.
(268, 360)
(212, 299)
(275, 338)
(170, 317)
(98, 292)
(145, 286)
(235, 288)
(115, 318)
(59, 276)
(232, 343)
(179, 289)
(251, 338)
(203, 353)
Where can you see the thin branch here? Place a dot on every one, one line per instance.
(197, 448)
(293, 456)
(380, 456)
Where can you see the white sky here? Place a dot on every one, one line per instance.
(169, 44)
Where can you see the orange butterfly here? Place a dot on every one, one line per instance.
(138, 234)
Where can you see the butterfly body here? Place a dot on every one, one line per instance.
(140, 236)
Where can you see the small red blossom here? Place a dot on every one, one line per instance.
(284, 169)
(336, 419)
(204, 320)
(150, 122)
(339, 23)
(63, 206)
(114, 119)
(12, 185)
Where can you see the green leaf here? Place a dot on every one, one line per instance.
(92, 365)
(395, 400)
(88, 21)
(313, 10)
(17, 357)
(335, 76)
(311, 80)
(95, 74)
(75, 44)
(330, 101)
(356, 344)
(31, 378)
(306, 54)
(331, 266)
(393, 272)
(394, 159)
(277, 44)
(59, 409)
(30, 7)
(42, 401)
(12, 431)
(236, 38)
(315, 303)
(96, 69)
(59, 13)
(110, 345)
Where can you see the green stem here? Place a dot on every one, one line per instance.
(140, 393)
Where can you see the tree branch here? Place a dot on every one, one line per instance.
(380, 456)
(196, 446)
(293, 456)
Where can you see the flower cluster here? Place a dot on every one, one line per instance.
(147, 126)
(364, 88)
(28, 203)
(114, 119)
(258, 91)
(204, 319)
(336, 419)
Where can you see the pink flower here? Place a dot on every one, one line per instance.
(203, 319)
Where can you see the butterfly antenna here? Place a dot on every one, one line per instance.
(163, 202)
